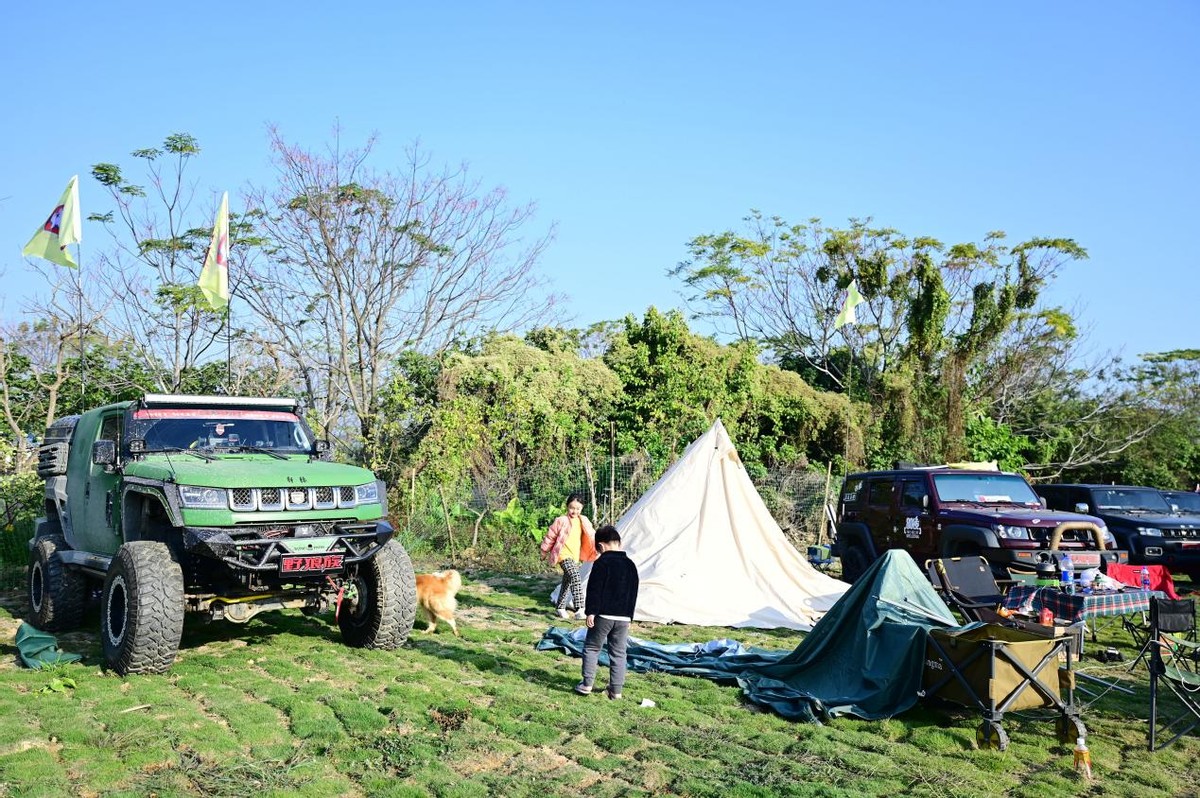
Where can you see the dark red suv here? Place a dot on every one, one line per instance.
(952, 512)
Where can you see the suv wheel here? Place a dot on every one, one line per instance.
(384, 606)
(854, 563)
(57, 594)
(141, 619)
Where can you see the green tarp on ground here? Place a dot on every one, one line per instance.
(37, 648)
(865, 657)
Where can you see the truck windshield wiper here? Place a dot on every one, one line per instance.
(208, 458)
(261, 450)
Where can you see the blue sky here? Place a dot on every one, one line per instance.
(637, 126)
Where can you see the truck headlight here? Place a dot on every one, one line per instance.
(1011, 532)
(1148, 531)
(367, 494)
(207, 498)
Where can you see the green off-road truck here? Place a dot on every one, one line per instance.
(214, 505)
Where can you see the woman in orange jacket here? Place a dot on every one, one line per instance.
(569, 541)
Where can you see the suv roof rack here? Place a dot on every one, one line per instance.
(990, 465)
(185, 400)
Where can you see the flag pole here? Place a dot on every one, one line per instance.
(82, 356)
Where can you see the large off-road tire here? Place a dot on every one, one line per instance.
(57, 594)
(141, 616)
(383, 606)
(854, 563)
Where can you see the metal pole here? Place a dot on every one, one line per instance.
(612, 471)
(82, 367)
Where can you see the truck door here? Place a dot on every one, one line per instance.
(878, 514)
(915, 522)
(102, 508)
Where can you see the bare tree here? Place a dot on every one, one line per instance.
(1044, 384)
(363, 265)
(147, 278)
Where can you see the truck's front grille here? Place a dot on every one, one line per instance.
(299, 498)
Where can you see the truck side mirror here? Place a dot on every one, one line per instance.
(925, 501)
(1081, 507)
(104, 453)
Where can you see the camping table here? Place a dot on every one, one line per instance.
(1074, 607)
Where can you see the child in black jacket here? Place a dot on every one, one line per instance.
(611, 597)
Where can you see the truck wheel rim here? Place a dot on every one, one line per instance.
(115, 611)
(37, 587)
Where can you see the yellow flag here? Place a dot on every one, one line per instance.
(853, 300)
(214, 277)
(62, 227)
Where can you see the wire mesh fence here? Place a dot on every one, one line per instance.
(499, 510)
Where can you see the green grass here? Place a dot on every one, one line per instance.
(278, 707)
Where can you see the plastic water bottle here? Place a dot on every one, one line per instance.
(1083, 758)
(1067, 574)
(1145, 578)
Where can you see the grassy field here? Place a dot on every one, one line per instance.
(280, 707)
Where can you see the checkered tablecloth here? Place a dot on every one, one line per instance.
(1079, 606)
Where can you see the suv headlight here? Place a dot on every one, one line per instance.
(367, 494)
(1011, 532)
(1148, 531)
(209, 498)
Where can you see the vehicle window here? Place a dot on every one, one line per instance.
(1131, 500)
(852, 491)
(912, 494)
(211, 429)
(984, 489)
(1186, 502)
(110, 430)
(881, 494)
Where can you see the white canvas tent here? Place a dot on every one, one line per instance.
(709, 553)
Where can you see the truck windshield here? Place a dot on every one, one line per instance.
(169, 429)
(1150, 501)
(1186, 502)
(984, 489)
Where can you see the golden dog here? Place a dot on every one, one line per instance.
(436, 597)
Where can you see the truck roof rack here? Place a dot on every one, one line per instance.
(186, 400)
(990, 465)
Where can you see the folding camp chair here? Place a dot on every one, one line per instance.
(966, 584)
(1177, 611)
(1174, 661)
(1138, 624)
(819, 557)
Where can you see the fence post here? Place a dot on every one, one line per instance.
(824, 505)
(412, 497)
(446, 512)
(612, 472)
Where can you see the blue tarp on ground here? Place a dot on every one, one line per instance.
(865, 657)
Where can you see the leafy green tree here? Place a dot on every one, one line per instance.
(1162, 427)
(933, 313)
(675, 383)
